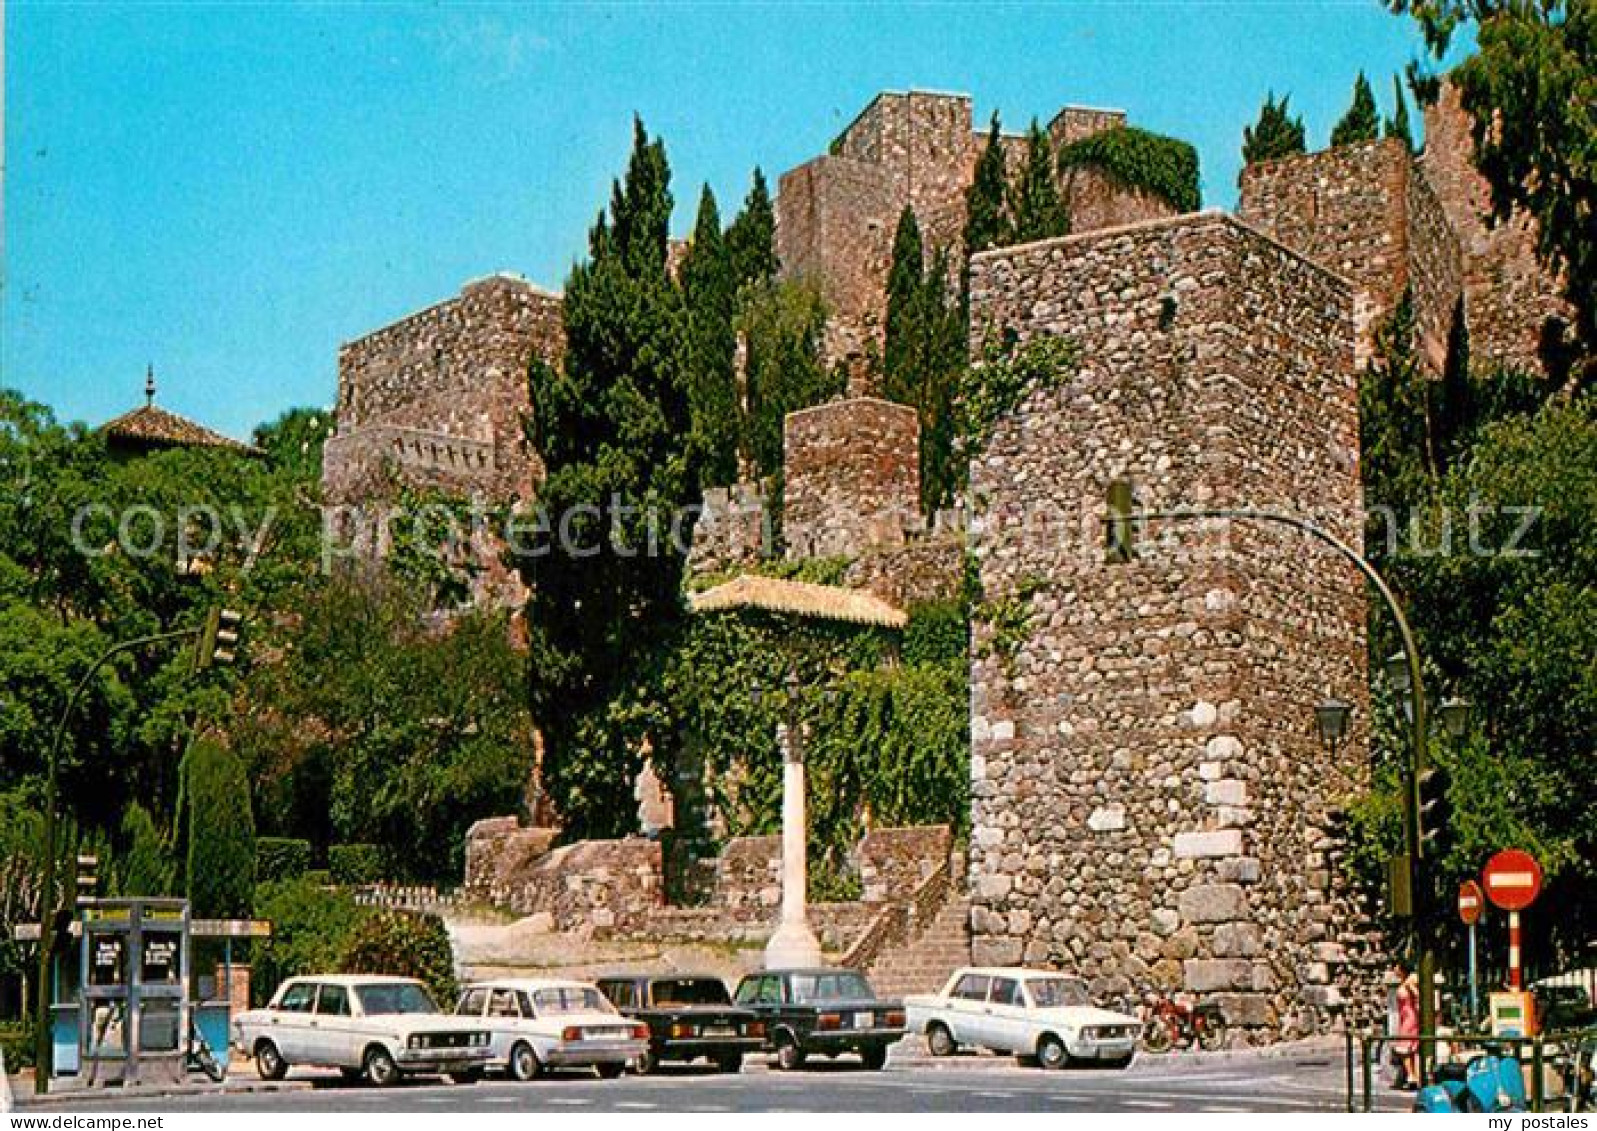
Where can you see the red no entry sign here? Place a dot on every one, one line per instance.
(1512, 879)
(1471, 902)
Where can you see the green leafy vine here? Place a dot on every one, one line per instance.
(1164, 166)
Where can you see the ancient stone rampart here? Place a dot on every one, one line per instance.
(1148, 795)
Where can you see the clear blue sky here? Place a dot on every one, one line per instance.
(231, 191)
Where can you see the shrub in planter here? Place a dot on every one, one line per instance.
(406, 944)
(281, 858)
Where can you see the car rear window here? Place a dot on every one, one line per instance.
(689, 991)
(843, 986)
(570, 999)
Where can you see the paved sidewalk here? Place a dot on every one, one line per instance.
(241, 1080)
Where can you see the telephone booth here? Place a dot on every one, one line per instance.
(133, 990)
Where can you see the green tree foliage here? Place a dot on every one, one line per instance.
(1398, 125)
(405, 944)
(386, 732)
(1164, 166)
(986, 220)
(924, 356)
(312, 928)
(220, 830)
(281, 858)
(782, 323)
(1035, 208)
(613, 425)
(1395, 427)
(1276, 134)
(710, 290)
(145, 865)
(751, 239)
(1362, 122)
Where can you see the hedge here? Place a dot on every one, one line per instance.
(355, 864)
(281, 858)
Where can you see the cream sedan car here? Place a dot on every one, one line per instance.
(377, 1027)
(541, 1023)
(1036, 1015)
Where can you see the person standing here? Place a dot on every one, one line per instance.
(1406, 1049)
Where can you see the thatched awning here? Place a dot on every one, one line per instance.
(800, 599)
(151, 427)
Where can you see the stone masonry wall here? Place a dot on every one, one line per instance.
(852, 477)
(1435, 271)
(440, 399)
(1147, 791)
(1509, 298)
(1346, 209)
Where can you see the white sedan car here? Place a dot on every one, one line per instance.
(542, 1023)
(380, 1028)
(1032, 1014)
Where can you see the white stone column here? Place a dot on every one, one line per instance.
(793, 944)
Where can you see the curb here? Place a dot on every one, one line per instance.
(137, 1092)
(1145, 1062)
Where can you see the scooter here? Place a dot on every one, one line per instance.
(1489, 1083)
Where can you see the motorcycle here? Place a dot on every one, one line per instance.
(1488, 1083)
(1171, 1024)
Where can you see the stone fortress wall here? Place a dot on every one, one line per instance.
(1386, 220)
(1147, 786)
(837, 213)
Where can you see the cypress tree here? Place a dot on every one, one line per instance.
(751, 240)
(1361, 122)
(1397, 125)
(145, 867)
(986, 225)
(614, 425)
(709, 292)
(1276, 133)
(221, 832)
(924, 354)
(1035, 208)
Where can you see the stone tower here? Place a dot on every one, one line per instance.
(439, 401)
(1148, 791)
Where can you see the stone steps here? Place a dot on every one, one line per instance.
(923, 964)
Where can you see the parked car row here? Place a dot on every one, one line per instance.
(384, 1028)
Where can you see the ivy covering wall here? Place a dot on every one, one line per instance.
(1164, 166)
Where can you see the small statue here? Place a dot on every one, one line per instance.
(656, 810)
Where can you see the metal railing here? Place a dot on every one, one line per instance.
(1545, 1049)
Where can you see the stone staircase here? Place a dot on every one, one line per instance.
(922, 964)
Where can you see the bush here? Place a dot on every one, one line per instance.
(938, 633)
(355, 864)
(312, 928)
(281, 858)
(16, 1042)
(408, 945)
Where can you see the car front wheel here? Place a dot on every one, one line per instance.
(1051, 1053)
(940, 1041)
(646, 1062)
(269, 1062)
(380, 1068)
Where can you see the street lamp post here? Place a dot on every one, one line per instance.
(793, 944)
(1120, 525)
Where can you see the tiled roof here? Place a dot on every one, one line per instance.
(150, 426)
(798, 598)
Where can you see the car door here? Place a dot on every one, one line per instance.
(473, 1003)
(289, 1026)
(1005, 1020)
(966, 1010)
(503, 1012)
(333, 1027)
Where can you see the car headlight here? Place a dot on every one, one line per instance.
(414, 1042)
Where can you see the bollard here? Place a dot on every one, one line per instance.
(6, 1102)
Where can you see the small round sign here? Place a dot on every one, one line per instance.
(1512, 879)
(1471, 902)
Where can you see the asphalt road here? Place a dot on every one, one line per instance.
(1238, 1083)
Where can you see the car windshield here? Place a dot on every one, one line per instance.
(397, 997)
(1052, 993)
(690, 991)
(570, 999)
(845, 986)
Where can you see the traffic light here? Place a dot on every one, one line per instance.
(88, 879)
(1436, 813)
(218, 640)
(1119, 527)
